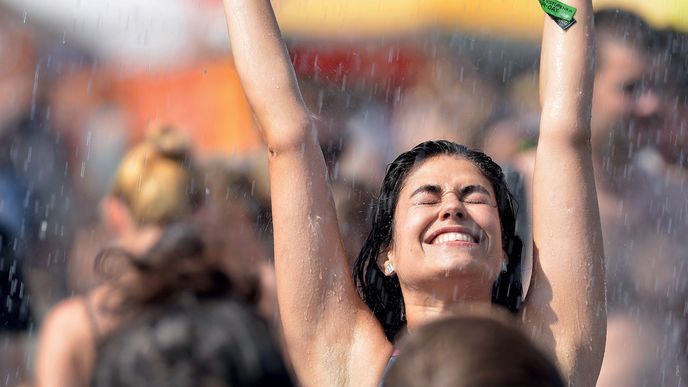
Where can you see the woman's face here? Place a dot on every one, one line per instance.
(446, 226)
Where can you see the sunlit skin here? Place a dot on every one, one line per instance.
(447, 238)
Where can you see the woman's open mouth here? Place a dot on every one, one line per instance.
(453, 235)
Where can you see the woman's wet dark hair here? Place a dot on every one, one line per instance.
(381, 293)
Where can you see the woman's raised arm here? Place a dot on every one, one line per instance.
(566, 306)
(267, 75)
(330, 333)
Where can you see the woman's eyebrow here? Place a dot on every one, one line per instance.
(474, 188)
(427, 188)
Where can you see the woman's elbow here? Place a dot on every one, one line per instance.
(288, 135)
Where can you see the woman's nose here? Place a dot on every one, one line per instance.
(452, 207)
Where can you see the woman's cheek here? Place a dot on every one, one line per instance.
(496, 232)
(408, 230)
(417, 221)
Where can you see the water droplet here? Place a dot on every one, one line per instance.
(43, 230)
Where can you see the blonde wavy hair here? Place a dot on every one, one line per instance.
(158, 179)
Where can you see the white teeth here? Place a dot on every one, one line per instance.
(452, 236)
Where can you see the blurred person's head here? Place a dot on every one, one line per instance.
(671, 75)
(471, 351)
(331, 106)
(176, 264)
(449, 100)
(353, 202)
(156, 184)
(87, 119)
(241, 183)
(234, 238)
(620, 98)
(17, 68)
(192, 343)
(507, 138)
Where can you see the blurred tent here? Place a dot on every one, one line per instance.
(173, 53)
(204, 100)
(513, 19)
(132, 32)
(149, 32)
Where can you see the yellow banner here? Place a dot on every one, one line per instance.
(517, 19)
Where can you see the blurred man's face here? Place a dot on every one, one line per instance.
(16, 72)
(668, 129)
(671, 136)
(617, 96)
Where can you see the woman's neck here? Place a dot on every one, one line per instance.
(138, 240)
(422, 308)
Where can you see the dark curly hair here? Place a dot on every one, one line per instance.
(192, 342)
(381, 293)
(177, 264)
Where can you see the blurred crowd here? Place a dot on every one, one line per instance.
(134, 207)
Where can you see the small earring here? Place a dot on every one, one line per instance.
(503, 266)
(389, 267)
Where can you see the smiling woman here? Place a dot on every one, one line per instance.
(435, 189)
(443, 226)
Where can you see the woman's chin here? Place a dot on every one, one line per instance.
(458, 258)
(461, 265)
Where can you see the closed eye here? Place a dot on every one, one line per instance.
(478, 200)
(426, 198)
(476, 194)
(427, 195)
(426, 202)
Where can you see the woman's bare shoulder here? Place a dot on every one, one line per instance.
(65, 345)
(67, 319)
